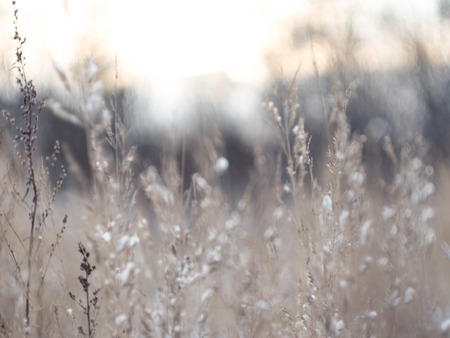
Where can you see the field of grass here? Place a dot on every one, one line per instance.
(145, 254)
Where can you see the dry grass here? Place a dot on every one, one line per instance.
(299, 256)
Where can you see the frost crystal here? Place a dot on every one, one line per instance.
(426, 214)
(327, 203)
(388, 213)
(221, 165)
(364, 235)
(125, 273)
(122, 242)
(278, 213)
(133, 240)
(233, 221)
(445, 326)
(92, 69)
(395, 299)
(206, 294)
(106, 236)
(343, 284)
(214, 255)
(270, 233)
(428, 189)
(383, 262)
(120, 319)
(340, 325)
(357, 178)
(409, 295)
(336, 326)
(265, 308)
(343, 217)
(371, 314)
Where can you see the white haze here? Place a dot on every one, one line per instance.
(174, 52)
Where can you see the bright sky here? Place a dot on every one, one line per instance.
(162, 44)
(178, 37)
(161, 38)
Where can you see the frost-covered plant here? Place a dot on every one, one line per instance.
(36, 200)
(288, 125)
(346, 240)
(297, 256)
(90, 305)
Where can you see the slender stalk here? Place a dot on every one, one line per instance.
(28, 137)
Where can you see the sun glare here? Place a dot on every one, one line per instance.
(175, 37)
(162, 45)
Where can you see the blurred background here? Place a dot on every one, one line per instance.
(179, 60)
(162, 47)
